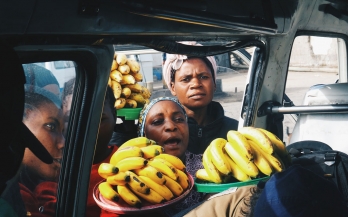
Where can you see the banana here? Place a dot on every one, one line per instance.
(131, 163)
(109, 82)
(116, 76)
(126, 92)
(139, 141)
(118, 179)
(120, 103)
(175, 161)
(136, 184)
(130, 103)
(152, 151)
(121, 59)
(164, 167)
(275, 163)
(137, 76)
(106, 170)
(108, 192)
(152, 197)
(173, 186)
(124, 69)
(203, 175)
(116, 88)
(259, 159)
(237, 172)
(160, 189)
(137, 97)
(145, 93)
(258, 137)
(210, 168)
(216, 153)
(152, 173)
(183, 180)
(136, 88)
(128, 196)
(247, 166)
(127, 79)
(122, 153)
(241, 143)
(278, 145)
(282, 165)
(114, 65)
(133, 65)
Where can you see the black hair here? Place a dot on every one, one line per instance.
(251, 201)
(68, 88)
(110, 99)
(204, 59)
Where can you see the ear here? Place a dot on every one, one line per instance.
(172, 88)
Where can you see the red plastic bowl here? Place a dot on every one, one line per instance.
(121, 207)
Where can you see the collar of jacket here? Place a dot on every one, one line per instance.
(214, 109)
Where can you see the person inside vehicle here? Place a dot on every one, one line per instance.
(192, 80)
(164, 120)
(295, 191)
(67, 95)
(38, 180)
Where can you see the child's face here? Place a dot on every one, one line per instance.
(46, 123)
(166, 124)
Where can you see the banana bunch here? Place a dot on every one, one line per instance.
(123, 80)
(245, 154)
(139, 171)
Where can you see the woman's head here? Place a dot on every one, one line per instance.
(66, 101)
(44, 118)
(164, 120)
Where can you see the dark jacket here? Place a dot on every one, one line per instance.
(201, 136)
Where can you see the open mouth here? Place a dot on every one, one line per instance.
(172, 142)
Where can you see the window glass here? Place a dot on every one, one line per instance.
(46, 114)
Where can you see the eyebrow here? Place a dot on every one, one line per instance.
(55, 120)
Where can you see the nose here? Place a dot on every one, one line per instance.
(61, 141)
(196, 82)
(170, 126)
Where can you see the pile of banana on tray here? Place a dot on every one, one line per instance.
(139, 171)
(245, 155)
(124, 77)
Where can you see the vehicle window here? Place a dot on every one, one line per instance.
(313, 62)
(46, 115)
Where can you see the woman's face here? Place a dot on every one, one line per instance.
(46, 123)
(166, 124)
(193, 84)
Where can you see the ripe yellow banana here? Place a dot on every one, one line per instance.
(139, 141)
(116, 88)
(136, 184)
(124, 69)
(131, 163)
(128, 196)
(241, 143)
(210, 168)
(258, 137)
(116, 76)
(216, 153)
(281, 162)
(160, 189)
(108, 192)
(203, 175)
(152, 173)
(279, 146)
(164, 167)
(145, 93)
(113, 182)
(122, 153)
(136, 88)
(130, 103)
(109, 82)
(133, 65)
(275, 163)
(247, 166)
(126, 92)
(173, 186)
(152, 151)
(114, 65)
(137, 97)
(121, 59)
(237, 172)
(120, 103)
(120, 177)
(183, 180)
(137, 76)
(106, 170)
(152, 197)
(127, 79)
(175, 161)
(259, 159)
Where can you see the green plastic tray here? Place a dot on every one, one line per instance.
(129, 113)
(215, 188)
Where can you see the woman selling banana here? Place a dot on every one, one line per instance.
(164, 120)
(192, 80)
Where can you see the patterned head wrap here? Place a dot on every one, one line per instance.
(146, 109)
(175, 61)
